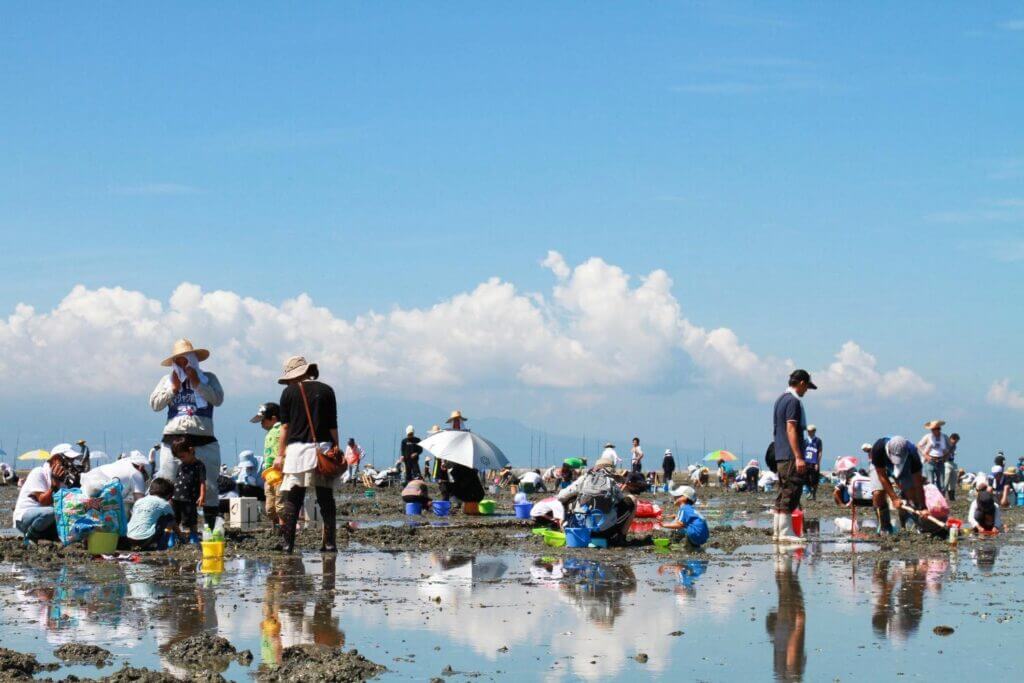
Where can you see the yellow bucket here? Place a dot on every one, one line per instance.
(101, 543)
(272, 476)
(213, 565)
(213, 550)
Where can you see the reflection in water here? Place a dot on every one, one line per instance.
(899, 590)
(87, 600)
(687, 574)
(984, 557)
(785, 623)
(597, 589)
(285, 621)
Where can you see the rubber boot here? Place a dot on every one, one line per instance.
(786, 530)
(290, 518)
(329, 538)
(776, 522)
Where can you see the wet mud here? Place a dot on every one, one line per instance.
(18, 666)
(206, 651)
(81, 653)
(312, 663)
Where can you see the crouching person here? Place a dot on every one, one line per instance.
(689, 523)
(416, 492)
(983, 515)
(33, 512)
(598, 490)
(152, 516)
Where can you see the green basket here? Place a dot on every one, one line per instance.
(487, 507)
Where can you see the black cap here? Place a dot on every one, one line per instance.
(802, 376)
(266, 410)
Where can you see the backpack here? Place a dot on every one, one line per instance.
(769, 458)
(599, 491)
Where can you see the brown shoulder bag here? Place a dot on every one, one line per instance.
(329, 464)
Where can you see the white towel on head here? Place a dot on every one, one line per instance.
(180, 372)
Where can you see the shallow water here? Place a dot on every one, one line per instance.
(805, 615)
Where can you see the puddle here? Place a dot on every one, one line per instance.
(807, 614)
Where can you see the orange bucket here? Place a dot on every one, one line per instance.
(471, 508)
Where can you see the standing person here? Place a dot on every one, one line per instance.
(411, 450)
(952, 478)
(85, 459)
(789, 425)
(813, 453)
(609, 453)
(668, 468)
(189, 486)
(268, 416)
(457, 421)
(353, 456)
(934, 450)
(637, 453)
(305, 400)
(189, 395)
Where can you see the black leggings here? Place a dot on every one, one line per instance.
(324, 499)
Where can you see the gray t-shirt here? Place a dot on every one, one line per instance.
(788, 409)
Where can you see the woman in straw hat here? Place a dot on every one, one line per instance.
(189, 395)
(297, 451)
(935, 448)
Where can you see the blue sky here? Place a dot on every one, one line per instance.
(806, 174)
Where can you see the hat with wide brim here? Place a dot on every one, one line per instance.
(297, 367)
(935, 424)
(457, 415)
(183, 347)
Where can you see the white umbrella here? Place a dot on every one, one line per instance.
(464, 448)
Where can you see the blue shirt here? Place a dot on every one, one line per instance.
(788, 409)
(145, 514)
(812, 451)
(694, 526)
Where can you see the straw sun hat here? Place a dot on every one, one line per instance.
(183, 347)
(934, 423)
(457, 415)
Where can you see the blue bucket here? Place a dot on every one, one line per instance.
(523, 510)
(414, 508)
(442, 508)
(577, 538)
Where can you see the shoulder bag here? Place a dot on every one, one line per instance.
(331, 463)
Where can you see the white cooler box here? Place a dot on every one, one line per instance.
(245, 513)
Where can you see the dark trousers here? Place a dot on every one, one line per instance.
(186, 514)
(668, 476)
(638, 467)
(293, 500)
(412, 470)
(791, 485)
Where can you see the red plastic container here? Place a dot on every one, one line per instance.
(798, 522)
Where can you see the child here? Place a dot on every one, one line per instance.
(152, 516)
(688, 521)
(189, 486)
(983, 515)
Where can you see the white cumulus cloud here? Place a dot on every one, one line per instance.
(1000, 394)
(596, 330)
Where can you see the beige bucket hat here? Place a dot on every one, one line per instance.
(296, 367)
(183, 347)
(457, 415)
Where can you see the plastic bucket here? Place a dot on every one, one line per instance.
(213, 550)
(442, 508)
(523, 510)
(272, 476)
(414, 508)
(213, 565)
(471, 508)
(577, 537)
(487, 507)
(596, 542)
(555, 539)
(101, 543)
(368, 493)
(662, 542)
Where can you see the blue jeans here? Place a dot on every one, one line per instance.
(38, 523)
(936, 472)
